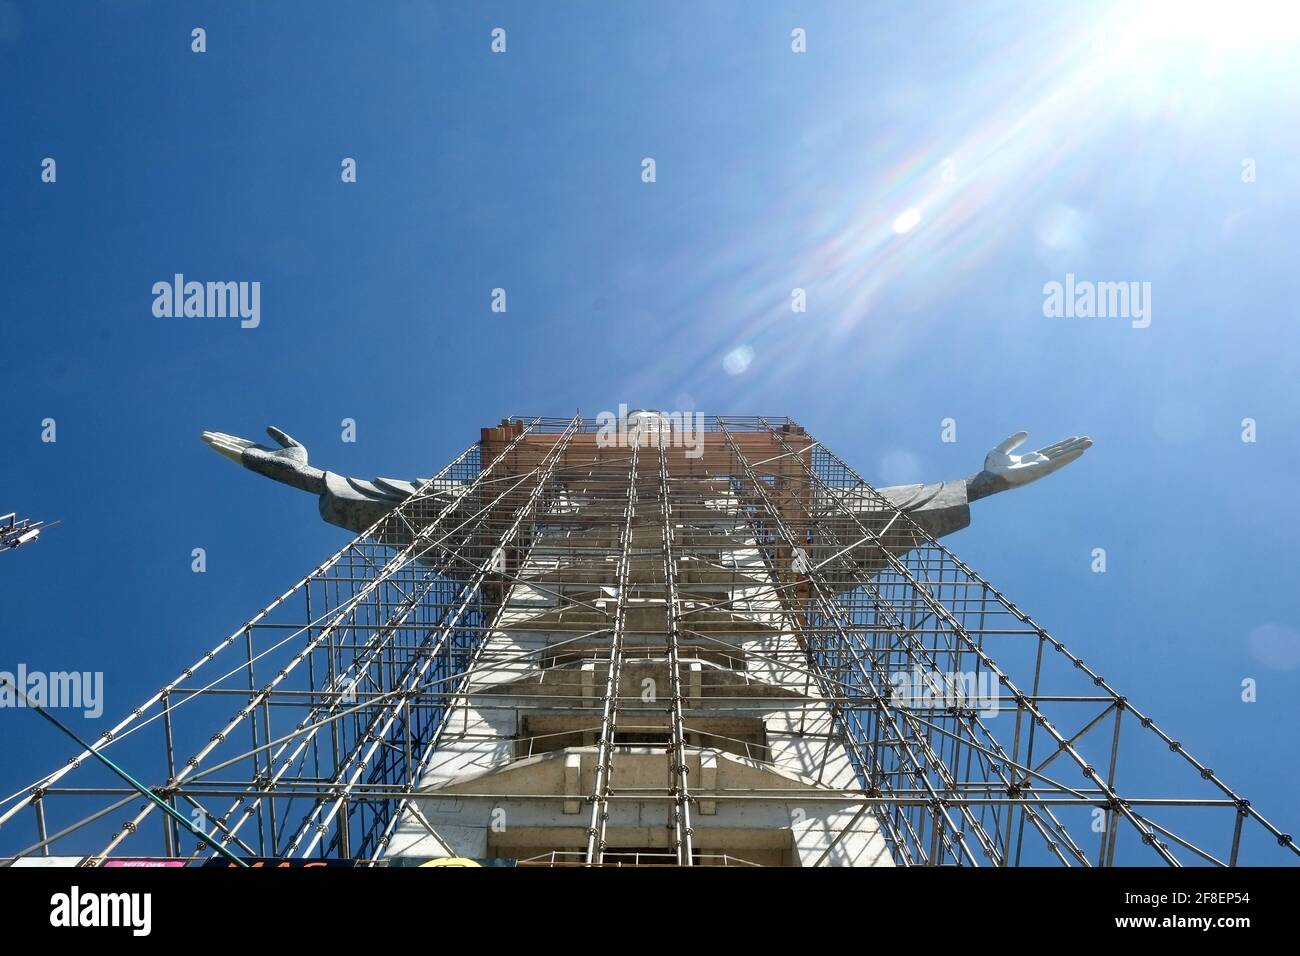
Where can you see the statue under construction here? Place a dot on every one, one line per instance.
(676, 641)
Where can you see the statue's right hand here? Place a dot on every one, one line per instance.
(287, 464)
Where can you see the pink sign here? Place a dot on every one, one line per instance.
(143, 862)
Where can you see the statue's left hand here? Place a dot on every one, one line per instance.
(1022, 469)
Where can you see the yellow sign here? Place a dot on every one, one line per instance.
(451, 861)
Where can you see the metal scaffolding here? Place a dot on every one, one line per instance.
(514, 607)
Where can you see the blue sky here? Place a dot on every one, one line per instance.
(1104, 142)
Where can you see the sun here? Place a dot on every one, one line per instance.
(1238, 25)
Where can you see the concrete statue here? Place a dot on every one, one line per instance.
(761, 755)
(940, 508)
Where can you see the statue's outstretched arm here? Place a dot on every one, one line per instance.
(943, 507)
(351, 503)
(939, 508)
